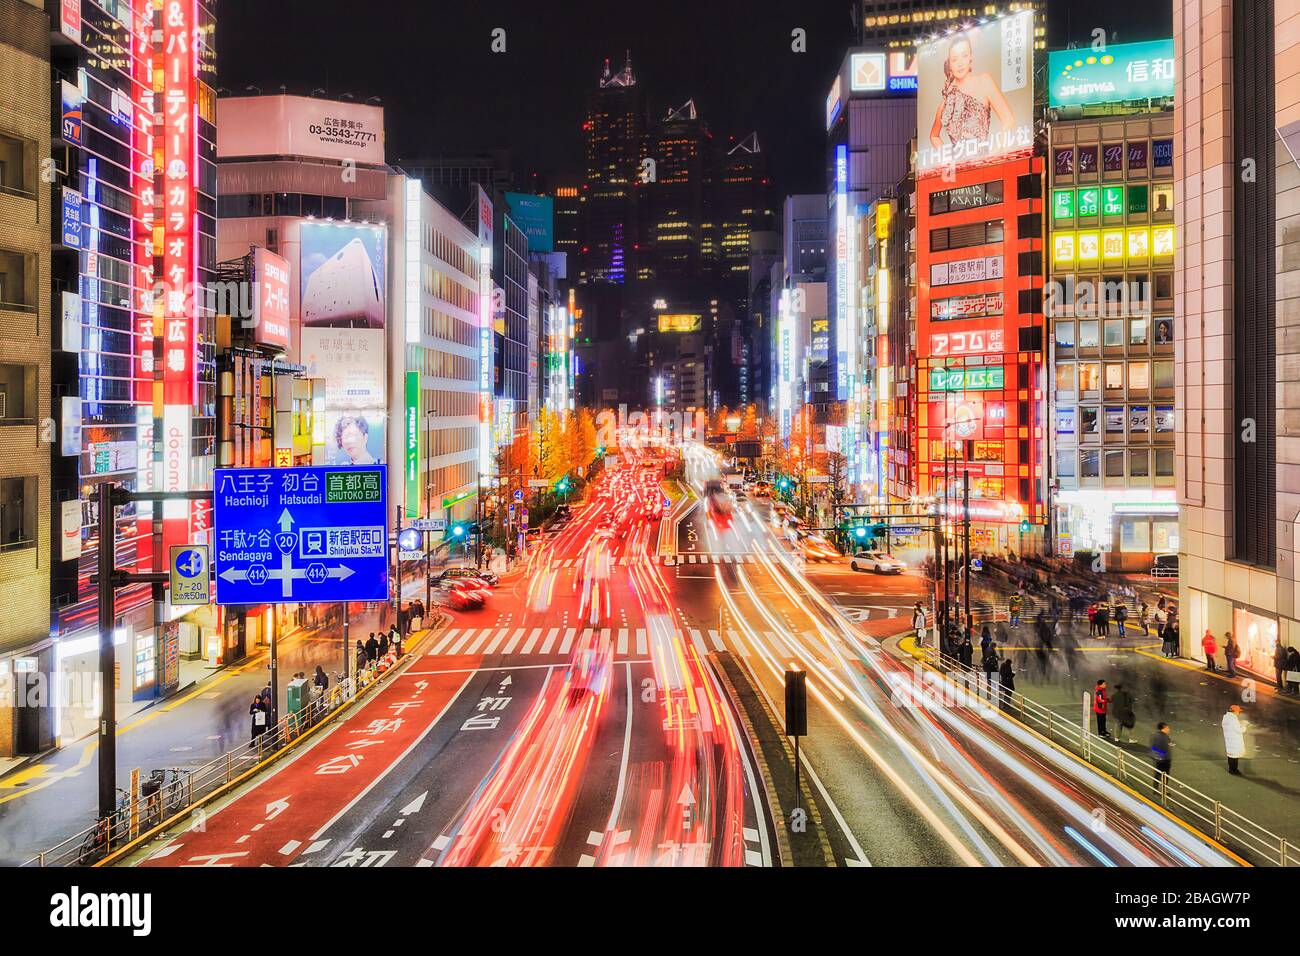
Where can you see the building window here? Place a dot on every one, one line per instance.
(1065, 376)
(17, 394)
(1088, 335)
(1139, 376)
(1089, 376)
(17, 156)
(1137, 332)
(1139, 463)
(1065, 463)
(16, 292)
(1164, 462)
(1065, 335)
(1164, 375)
(1115, 463)
(1088, 419)
(1090, 463)
(1113, 330)
(1114, 376)
(17, 513)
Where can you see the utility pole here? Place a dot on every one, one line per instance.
(109, 579)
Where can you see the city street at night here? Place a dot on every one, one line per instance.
(735, 439)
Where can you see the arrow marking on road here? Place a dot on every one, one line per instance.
(277, 807)
(414, 806)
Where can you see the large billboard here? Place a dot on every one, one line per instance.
(300, 126)
(271, 319)
(356, 414)
(535, 215)
(975, 96)
(342, 270)
(1116, 73)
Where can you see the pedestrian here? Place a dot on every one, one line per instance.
(1172, 628)
(372, 647)
(1103, 618)
(1122, 701)
(394, 633)
(1162, 744)
(1092, 619)
(363, 657)
(1279, 664)
(1013, 607)
(266, 696)
(258, 710)
(1231, 651)
(989, 661)
(419, 611)
(396, 645)
(321, 679)
(918, 623)
(1100, 706)
(986, 639)
(1210, 648)
(1293, 668)
(966, 651)
(1234, 738)
(1160, 617)
(1121, 615)
(1007, 679)
(383, 644)
(1143, 614)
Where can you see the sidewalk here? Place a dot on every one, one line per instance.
(1192, 701)
(54, 795)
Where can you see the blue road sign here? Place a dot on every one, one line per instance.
(301, 534)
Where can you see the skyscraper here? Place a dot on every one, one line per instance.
(672, 197)
(614, 128)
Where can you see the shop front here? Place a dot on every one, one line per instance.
(1127, 527)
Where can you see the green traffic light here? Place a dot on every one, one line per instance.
(860, 532)
(458, 531)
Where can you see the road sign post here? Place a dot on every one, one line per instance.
(796, 718)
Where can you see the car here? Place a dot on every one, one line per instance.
(462, 595)
(1165, 566)
(741, 496)
(452, 574)
(816, 548)
(876, 561)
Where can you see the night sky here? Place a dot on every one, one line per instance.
(443, 88)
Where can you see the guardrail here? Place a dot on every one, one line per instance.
(1234, 830)
(180, 788)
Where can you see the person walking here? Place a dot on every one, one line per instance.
(990, 663)
(918, 623)
(1014, 605)
(966, 652)
(363, 657)
(1121, 615)
(1007, 680)
(1293, 667)
(383, 644)
(1279, 664)
(1234, 738)
(1231, 651)
(1162, 744)
(986, 640)
(1092, 619)
(1210, 648)
(1122, 701)
(321, 680)
(1103, 619)
(372, 648)
(258, 711)
(1100, 706)
(1172, 629)
(1144, 612)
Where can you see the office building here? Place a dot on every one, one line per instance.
(615, 126)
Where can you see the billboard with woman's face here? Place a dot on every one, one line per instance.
(975, 95)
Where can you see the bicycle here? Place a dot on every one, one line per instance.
(99, 839)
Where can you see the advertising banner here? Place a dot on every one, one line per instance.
(975, 96)
(72, 103)
(352, 363)
(342, 271)
(300, 126)
(412, 444)
(535, 215)
(1117, 73)
(271, 319)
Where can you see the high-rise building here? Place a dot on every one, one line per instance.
(459, 169)
(614, 128)
(1236, 275)
(742, 204)
(510, 327)
(32, 520)
(890, 23)
(672, 197)
(1110, 309)
(568, 223)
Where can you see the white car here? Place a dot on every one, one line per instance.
(876, 561)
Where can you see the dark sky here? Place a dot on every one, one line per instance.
(442, 87)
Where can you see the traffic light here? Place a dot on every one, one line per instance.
(458, 531)
(1024, 526)
(562, 484)
(859, 532)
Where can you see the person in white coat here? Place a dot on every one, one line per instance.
(1234, 737)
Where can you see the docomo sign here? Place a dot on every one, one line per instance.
(271, 308)
(973, 342)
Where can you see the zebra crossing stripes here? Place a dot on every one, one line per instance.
(542, 641)
(573, 564)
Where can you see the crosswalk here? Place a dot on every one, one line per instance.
(625, 560)
(628, 642)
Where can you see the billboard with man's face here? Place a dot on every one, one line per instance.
(975, 95)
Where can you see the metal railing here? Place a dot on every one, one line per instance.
(178, 789)
(1235, 831)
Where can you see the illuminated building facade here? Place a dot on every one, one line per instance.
(1112, 326)
(135, 81)
(676, 239)
(979, 341)
(614, 127)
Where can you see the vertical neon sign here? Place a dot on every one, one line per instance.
(179, 255)
(142, 144)
(843, 331)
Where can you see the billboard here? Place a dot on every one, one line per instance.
(1119, 72)
(351, 361)
(535, 215)
(681, 321)
(342, 271)
(975, 96)
(271, 308)
(300, 126)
